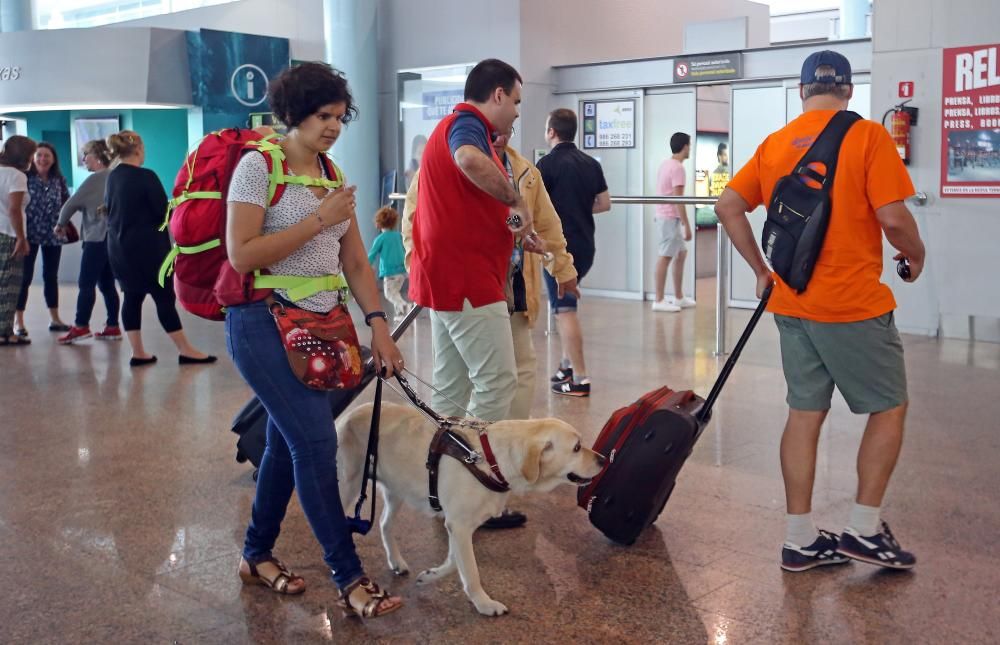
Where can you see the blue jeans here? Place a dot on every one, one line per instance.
(50, 275)
(301, 447)
(95, 271)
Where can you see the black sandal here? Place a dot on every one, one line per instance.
(373, 607)
(278, 584)
(14, 339)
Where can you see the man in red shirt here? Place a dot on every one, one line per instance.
(462, 247)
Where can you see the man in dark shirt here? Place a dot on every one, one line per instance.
(576, 184)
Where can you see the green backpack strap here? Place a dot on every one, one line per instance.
(167, 268)
(301, 287)
(185, 195)
(278, 176)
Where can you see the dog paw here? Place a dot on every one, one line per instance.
(399, 566)
(431, 575)
(490, 607)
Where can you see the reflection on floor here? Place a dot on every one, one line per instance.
(122, 510)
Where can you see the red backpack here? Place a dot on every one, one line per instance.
(204, 280)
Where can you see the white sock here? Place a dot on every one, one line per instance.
(564, 364)
(864, 519)
(800, 529)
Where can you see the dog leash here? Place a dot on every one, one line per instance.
(410, 394)
(357, 523)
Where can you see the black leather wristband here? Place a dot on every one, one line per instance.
(375, 314)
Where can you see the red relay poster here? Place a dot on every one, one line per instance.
(970, 122)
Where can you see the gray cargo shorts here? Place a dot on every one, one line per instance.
(863, 359)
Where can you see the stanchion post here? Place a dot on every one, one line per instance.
(721, 289)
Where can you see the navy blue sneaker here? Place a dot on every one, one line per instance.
(880, 549)
(569, 388)
(821, 552)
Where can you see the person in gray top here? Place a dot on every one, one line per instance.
(95, 268)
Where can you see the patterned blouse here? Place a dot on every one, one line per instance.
(47, 198)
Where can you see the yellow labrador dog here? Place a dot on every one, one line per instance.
(533, 455)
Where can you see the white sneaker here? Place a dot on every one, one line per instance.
(683, 303)
(663, 305)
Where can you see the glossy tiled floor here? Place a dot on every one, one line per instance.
(122, 510)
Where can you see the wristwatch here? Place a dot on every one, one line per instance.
(376, 314)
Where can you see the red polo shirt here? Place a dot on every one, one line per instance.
(461, 243)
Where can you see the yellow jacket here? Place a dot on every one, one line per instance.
(547, 225)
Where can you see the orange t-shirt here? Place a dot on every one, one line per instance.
(846, 282)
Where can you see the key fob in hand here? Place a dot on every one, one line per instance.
(903, 269)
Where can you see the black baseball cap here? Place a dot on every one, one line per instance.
(839, 63)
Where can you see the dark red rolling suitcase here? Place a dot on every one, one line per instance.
(646, 444)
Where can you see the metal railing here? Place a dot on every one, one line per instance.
(687, 200)
(721, 261)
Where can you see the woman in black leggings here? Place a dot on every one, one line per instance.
(136, 203)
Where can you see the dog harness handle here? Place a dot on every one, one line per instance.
(448, 442)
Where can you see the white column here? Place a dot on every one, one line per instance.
(853, 18)
(351, 47)
(15, 15)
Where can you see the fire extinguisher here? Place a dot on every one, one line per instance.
(903, 118)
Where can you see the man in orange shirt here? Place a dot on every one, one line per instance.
(840, 330)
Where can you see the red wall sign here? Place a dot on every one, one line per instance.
(906, 89)
(970, 123)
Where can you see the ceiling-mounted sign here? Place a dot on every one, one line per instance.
(713, 67)
(970, 124)
(609, 124)
(10, 73)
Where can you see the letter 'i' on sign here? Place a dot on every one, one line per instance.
(906, 89)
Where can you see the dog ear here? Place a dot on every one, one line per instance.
(531, 467)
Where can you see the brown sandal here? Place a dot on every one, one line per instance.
(279, 584)
(373, 606)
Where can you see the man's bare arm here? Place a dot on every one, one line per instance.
(602, 203)
(484, 173)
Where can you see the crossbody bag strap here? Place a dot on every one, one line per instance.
(826, 149)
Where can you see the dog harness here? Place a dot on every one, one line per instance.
(448, 442)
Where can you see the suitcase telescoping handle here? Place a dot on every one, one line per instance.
(705, 413)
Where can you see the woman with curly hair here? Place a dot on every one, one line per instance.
(309, 232)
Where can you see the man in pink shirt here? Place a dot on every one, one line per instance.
(675, 228)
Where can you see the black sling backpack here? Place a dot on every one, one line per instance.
(799, 214)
